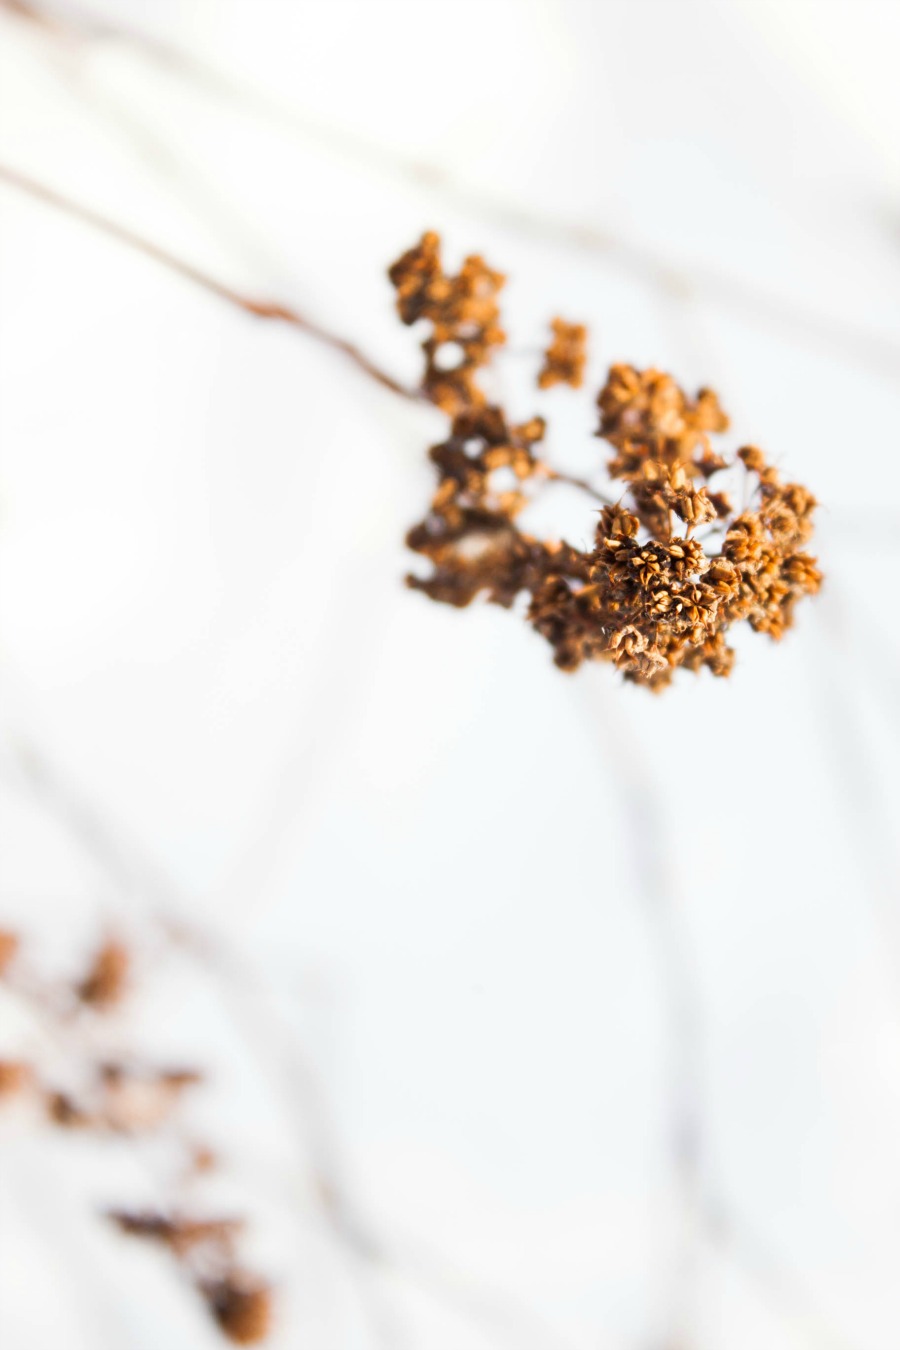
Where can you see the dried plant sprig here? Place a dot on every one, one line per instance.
(125, 1095)
(129, 1096)
(649, 595)
(204, 1248)
(256, 308)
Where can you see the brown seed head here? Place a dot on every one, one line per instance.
(106, 981)
(463, 313)
(9, 946)
(645, 596)
(242, 1306)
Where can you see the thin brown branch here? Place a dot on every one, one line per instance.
(706, 1213)
(556, 476)
(667, 276)
(682, 1008)
(131, 870)
(260, 309)
(275, 1046)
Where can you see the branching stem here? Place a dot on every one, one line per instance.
(260, 309)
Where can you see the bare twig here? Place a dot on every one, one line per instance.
(260, 309)
(862, 794)
(703, 1211)
(755, 1258)
(669, 277)
(556, 476)
(681, 1007)
(276, 1051)
(132, 872)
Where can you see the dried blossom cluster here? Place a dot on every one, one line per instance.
(464, 316)
(124, 1095)
(206, 1250)
(673, 564)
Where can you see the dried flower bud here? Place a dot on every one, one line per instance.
(105, 983)
(140, 1097)
(463, 313)
(645, 415)
(241, 1305)
(15, 1076)
(565, 358)
(127, 1095)
(202, 1159)
(63, 1110)
(9, 946)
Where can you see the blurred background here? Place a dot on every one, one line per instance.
(537, 1012)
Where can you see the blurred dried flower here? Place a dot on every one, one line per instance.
(127, 1096)
(565, 357)
(9, 946)
(107, 978)
(176, 1231)
(201, 1159)
(649, 595)
(63, 1110)
(139, 1096)
(15, 1076)
(463, 313)
(241, 1305)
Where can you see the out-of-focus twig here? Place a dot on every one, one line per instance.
(702, 1211)
(681, 1009)
(667, 276)
(260, 309)
(277, 1052)
(755, 1258)
(863, 809)
(285, 1066)
(132, 872)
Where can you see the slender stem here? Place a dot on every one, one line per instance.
(556, 476)
(682, 1010)
(275, 1045)
(756, 1258)
(668, 277)
(260, 309)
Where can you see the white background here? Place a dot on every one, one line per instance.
(449, 866)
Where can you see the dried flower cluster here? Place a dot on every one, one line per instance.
(673, 564)
(565, 358)
(205, 1249)
(125, 1095)
(464, 318)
